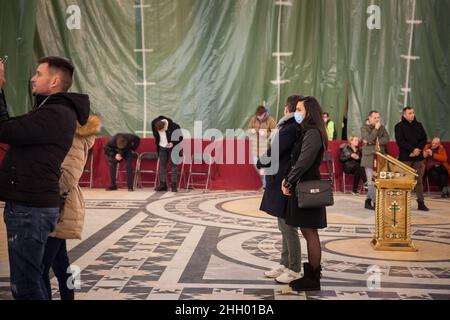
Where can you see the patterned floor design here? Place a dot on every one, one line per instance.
(187, 246)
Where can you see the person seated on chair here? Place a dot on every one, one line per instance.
(351, 156)
(438, 169)
(163, 128)
(121, 147)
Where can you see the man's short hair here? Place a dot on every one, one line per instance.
(407, 108)
(159, 125)
(292, 102)
(326, 114)
(371, 113)
(63, 66)
(121, 142)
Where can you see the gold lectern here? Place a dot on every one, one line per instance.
(394, 183)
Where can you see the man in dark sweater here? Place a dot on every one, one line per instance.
(122, 146)
(30, 171)
(411, 139)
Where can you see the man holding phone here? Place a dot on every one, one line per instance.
(30, 171)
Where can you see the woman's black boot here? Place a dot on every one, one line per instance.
(310, 280)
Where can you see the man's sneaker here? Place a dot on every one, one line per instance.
(111, 188)
(355, 193)
(275, 272)
(288, 276)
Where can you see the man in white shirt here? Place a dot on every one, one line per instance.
(163, 128)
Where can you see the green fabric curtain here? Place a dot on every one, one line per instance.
(17, 30)
(213, 61)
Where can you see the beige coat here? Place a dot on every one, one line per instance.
(71, 219)
(260, 142)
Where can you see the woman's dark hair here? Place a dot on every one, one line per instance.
(292, 101)
(313, 119)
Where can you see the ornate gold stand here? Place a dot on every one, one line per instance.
(394, 184)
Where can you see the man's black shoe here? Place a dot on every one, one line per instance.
(174, 188)
(368, 205)
(161, 188)
(111, 188)
(422, 206)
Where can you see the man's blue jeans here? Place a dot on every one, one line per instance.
(27, 230)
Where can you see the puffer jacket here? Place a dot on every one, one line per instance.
(38, 143)
(71, 219)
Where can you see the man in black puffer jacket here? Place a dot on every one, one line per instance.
(30, 171)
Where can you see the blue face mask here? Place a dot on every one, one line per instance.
(298, 117)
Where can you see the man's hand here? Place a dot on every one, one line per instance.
(427, 153)
(170, 145)
(285, 190)
(2, 75)
(378, 125)
(415, 153)
(355, 156)
(119, 157)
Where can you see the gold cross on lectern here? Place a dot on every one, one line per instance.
(394, 208)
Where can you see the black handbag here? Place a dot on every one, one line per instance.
(315, 193)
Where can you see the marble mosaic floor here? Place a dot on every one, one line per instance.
(147, 245)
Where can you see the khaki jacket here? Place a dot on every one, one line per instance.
(260, 143)
(370, 134)
(71, 219)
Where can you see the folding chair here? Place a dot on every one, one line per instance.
(327, 158)
(138, 181)
(204, 159)
(427, 182)
(89, 169)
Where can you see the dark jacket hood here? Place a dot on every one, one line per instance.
(80, 103)
(407, 122)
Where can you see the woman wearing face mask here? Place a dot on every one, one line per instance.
(260, 128)
(306, 158)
